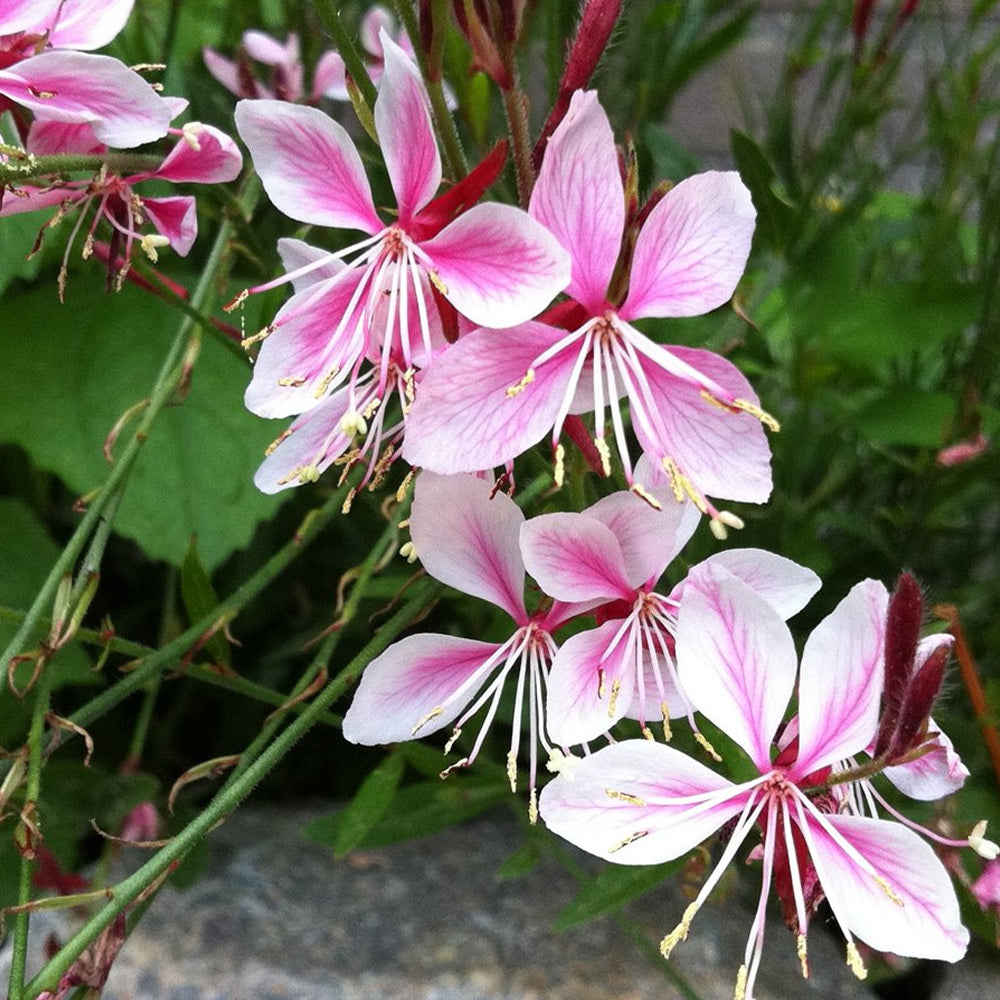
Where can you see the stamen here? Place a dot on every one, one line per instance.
(533, 806)
(438, 283)
(456, 732)
(665, 713)
(724, 519)
(632, 800)
(257, 337)
(630, 839)
(648, 734)
(709, 749)
(562, 763)
(512, 770)
(272, 447)
(326, 381)
(755, 411)
(978, 842)
(345, 507)
(291, 381)
(464, 762)
(800, 950)
(644, 494)
(513, 390)
(601, 687)
(679, 933)
(741, 984)
(605, 452)
(432, 714)
(616, 688)
(150, 243)
(237, 302)
(854, 962)
(560, 469)
(409, 552)
(887, 889)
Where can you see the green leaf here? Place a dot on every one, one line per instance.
(19, 235)
(522, 861)
(670, 158)
(774, 213)
(611, 888)
(908, 417)
(71, 371)
(199, 599)
(417, 811)
(369, 805)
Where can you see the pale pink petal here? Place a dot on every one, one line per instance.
(297, 254)
(463, 420)
(307, 164)
(80, 87)
(725, 455)
(217, 159)
(937, 773)
(376, 20)
(574, 557)
(224, 70)
(26, 15)
(268, 50)
(735, 659)
(30, 199)
(176, 218)
(497, 265)
(649, 539)
(670, 801)
(579, 197)
(840, 683)
(469, 540)
(403, 692)
(912, 911)
(693, 248)
(86, 25)
(588, 692)
(405, 132)
(330, 78)
(48, 138)
(312, 443)
(295, 362)
(785, 585)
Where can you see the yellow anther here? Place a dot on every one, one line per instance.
(513, 390)
(560, 468)
(291, 381)
(887, 889)
(675, 477)
(408, 551)
(404, 488)
(740, 990)
(345, 507)
(325, 382)
(709, 398)
(437, 282)
(616, 688)
(648, 734)
(150, 243)
(308, 474)
(605, 452)
(455, 733)
(190, 134)
(533, 807)
(630, 839)
(371, 408)
(238, 301)
(632, 800)
(257, 337)
(800, 950)
(755, 411)
(464, 762)
(512, 770)
(854, 962)
(352, 423)
(562, 763)
(709, 749)
(409, 388)
(270, 449)
(679, 933)
(665, 716)
(432, 714)
(643, 494)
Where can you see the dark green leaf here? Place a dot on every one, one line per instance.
(369, 805)
(611, 888)
(199, 599)
(522, 861)
(774, 213)
(907, 416)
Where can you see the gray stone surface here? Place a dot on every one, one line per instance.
(277, 917)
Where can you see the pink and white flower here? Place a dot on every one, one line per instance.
(639, 802)
(40, 71)
(495, 394)
(201, 155)
(614, 552)
(469, 538)
(491, 262)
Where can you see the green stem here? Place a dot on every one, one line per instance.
(33, 786)
(225, 801)
(330, 16)
(171, 373)
(21, 166)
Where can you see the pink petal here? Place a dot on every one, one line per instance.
(86, 25)
(464, 421)
(939, 772)
(785, 585)
(376, 20)
(176, 218)
(693, 248)
(400, 689)
(735, 659)
(224, 70)
(724, 454)
(920, 918)
(79, 87)
(29, 199)
(216, 161)
(313, 442)
(840, 683)
(268, 50)
(582, 807)
(405, 132)
(579, 704)
(297, 254)
(308, 165)
(330, 78)
(26, 15)
(574, 557)
(649, 539)
(296, 360)
(579, 197)
(47, 138)
(498, 266)
(469, 540)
